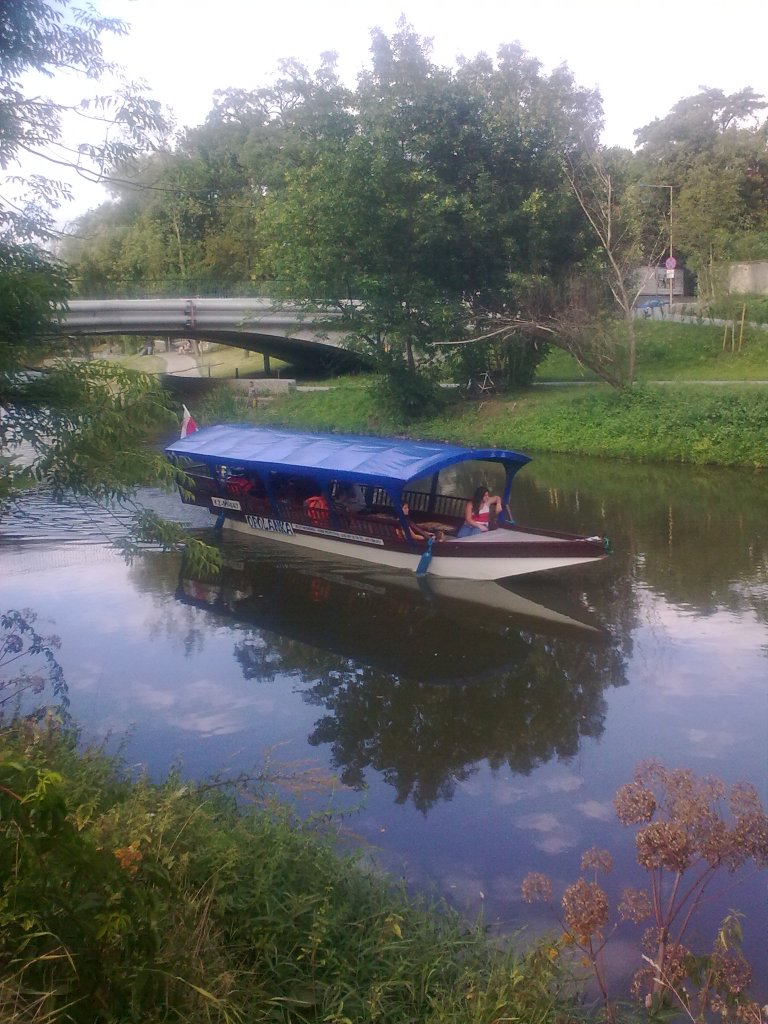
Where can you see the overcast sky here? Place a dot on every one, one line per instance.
(642, 56)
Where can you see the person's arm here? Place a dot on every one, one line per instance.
(418, 533)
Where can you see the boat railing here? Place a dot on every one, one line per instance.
(422, 502)
(380, 519)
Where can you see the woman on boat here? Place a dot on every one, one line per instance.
(477, 513)
(415, 531)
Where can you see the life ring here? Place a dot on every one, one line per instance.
(317, 508)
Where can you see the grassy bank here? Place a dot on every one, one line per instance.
(697, 401)
(128, 901)
(670, 351)
(676, 413)
(717, 425)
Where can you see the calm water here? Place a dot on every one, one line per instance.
(480, 732)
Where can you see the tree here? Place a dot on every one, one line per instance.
(605, 186)
(86, 424)
(712, 148)
(449, 197)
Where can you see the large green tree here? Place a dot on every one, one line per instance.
(448, 200)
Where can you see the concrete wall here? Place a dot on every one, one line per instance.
(748, 278)
(652, 281)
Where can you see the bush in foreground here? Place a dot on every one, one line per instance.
(129, 901)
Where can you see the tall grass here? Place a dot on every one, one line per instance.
(130, 901)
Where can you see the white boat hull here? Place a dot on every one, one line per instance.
(442, 565)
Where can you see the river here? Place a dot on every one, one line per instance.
(475, 734)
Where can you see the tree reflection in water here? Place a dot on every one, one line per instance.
(416, 683)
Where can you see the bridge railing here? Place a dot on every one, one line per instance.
(172, 288)
(178, 288)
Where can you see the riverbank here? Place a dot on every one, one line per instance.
(700, 399)
(130, 900)
(693, 423)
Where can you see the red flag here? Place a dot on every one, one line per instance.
(188, 425)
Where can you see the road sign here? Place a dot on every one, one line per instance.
(671, 263)
(670, 275)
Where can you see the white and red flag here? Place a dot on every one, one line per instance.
(188, 425)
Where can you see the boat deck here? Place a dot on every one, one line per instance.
(507, 536)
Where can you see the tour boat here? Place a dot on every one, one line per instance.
(344, 495)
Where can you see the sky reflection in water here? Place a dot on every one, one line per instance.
(490, 744)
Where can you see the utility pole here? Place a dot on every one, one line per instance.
(671, 262)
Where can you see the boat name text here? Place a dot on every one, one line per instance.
(271, 525)
(226, 503)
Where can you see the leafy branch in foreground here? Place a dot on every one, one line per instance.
(28, 665)
(685, 841)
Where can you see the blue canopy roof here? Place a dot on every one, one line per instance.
(368, 460)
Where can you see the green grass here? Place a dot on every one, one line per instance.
(723, 425)
(678, 352)
(130, 901)
(754, 308)
(225, 362)
(677, 421)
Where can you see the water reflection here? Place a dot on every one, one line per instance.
(695, 536)
(419, 681)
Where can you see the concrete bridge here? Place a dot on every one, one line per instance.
(303, 339)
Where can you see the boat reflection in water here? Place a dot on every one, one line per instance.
(420, 680)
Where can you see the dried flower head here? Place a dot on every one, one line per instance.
(635, 905)
(599, 860)
(663, 844)
(586, 907)
(536, 888)
(634, 803)
(750, 839)
(744, 800)
(731, 973)
(129, 858)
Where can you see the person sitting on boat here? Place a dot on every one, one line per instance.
(416, 532)
(477, 513)
(351, 497)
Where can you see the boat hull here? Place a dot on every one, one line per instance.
(450, 560)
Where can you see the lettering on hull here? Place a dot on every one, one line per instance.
(270, 525)
(226, 503)
(339, 535)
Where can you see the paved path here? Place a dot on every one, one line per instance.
(179, 364)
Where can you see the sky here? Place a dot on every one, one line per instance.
(642, 57)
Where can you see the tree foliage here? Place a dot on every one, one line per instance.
(416, 203)
(72, 425)
(711, 148)
(440, 204)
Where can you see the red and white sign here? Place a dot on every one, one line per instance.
(671, 263)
